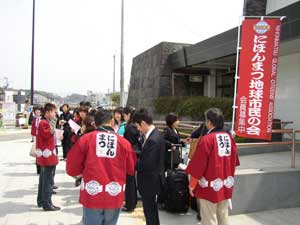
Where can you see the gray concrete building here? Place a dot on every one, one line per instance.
(207, 68)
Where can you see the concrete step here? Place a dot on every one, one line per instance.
(266, 182)
(290, 216)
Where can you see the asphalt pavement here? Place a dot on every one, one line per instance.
(18, 191)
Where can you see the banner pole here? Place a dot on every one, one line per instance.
(236, 77)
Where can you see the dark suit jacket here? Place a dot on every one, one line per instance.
(150, 166)
(171, 137)
(133, 135)
(67, 128)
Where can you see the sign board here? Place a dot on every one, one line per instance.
(9, 113)
(198, 79)
(256, 87)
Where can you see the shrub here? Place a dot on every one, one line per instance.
(194, 107)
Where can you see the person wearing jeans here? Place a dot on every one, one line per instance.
(100, 216)
(102, 158)
(45, 187)
(46, 158)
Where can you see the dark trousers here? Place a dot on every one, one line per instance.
(45, 186)
(38, 168)
(150, 210)
(130, 193)
(66, 145)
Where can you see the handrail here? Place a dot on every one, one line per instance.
(192, 127)
(293, 142)
(199, 122)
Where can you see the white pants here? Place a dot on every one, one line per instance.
(213, 213)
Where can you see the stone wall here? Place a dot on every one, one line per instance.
(151, 75)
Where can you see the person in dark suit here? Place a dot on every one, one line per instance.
(172, 138)
(150, 165)
(63, 122)
(133, 136)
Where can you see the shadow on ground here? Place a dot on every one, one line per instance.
(31, 174)
(76, 211)
(19, 164)
(18, 193)
(20, 174)
(15, 208)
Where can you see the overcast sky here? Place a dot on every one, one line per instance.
(75, 40)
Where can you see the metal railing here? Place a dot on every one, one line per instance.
(292, 143)
(291, 132)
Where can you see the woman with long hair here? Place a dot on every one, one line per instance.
(132, 135)
(172, 138)
(119, 121)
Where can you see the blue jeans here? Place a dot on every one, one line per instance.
(100, 216)
(45, 186)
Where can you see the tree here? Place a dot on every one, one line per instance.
(115, 98)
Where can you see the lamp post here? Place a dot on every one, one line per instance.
(114, 75)
(32, 55)
(122, 57)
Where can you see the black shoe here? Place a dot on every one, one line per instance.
(51, 208)
(39, 205)
(125, 209)
(58, 208)
(54, 187)
(78, 181)
(198, 217)
(54, 192)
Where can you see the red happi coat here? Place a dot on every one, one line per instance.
(103, 158)
(213, 164)
(34, 126)
(45, 145)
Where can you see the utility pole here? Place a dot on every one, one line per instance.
(32, 55)
(122, 57)
(114, 75)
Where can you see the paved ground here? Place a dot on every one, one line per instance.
(18, 189)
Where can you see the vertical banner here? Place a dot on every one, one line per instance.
(256, 85)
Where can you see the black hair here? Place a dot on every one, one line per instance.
(170, 119)
(120, 111)
(102, 117)
(81, 103)
(37, 107)
(76, 112)
(83, 109)
(89, 122)
(93, 112)
(131, 111)
(142, 115)
(215, 116)
(87, 104)
(49, 107)
(65, 104)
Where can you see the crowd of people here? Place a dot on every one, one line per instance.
(114, 154)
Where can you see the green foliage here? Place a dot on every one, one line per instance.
(115, 99)
(240, 139)
(193, 106)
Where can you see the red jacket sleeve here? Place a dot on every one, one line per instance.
(44, 130)
(130, 159)
(236, 159)
(76, 157)
(198, 164)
